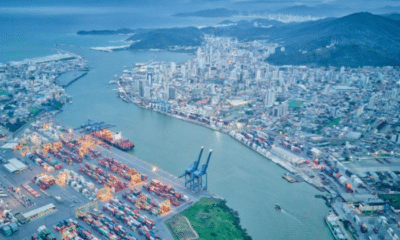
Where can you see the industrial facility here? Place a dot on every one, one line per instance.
(73, 182)
(194, 176)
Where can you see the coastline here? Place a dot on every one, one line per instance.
(77, 78)
(268, 155)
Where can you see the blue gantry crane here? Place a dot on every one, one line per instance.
(197, 176)
(190, 170)
(92, 126)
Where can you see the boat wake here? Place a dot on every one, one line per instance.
(290, 215)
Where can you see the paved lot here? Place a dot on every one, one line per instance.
(70, 199)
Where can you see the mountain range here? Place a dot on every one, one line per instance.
(320, 10)
(209, 13)
(354, 40)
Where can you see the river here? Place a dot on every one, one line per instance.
(251, 183)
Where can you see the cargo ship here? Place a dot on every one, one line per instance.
(333, 223)
(114, 139)
(289, 178)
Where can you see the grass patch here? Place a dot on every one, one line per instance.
(335, 121)
(180, 228)
(2, 92)
(394, 199)
(295, 103)
(33, 110)
(211, 219)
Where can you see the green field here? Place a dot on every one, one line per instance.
(210, 218)
(394, 199)
(295, 103)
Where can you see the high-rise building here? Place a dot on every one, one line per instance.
(173, 67)
(270, 98)
(258, 74)
(149, 78)
(280, 110)
(147, 92)
(141, 88)
(371, 102)
(171, 93)
(284, 108)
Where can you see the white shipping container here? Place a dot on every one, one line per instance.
(342, 180)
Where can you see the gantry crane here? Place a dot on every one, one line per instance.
(84, 210)
(197, 177)
(92, 126)
(190, 170)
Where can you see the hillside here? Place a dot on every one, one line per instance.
(166, 37)
(359, 39)
(393, 16)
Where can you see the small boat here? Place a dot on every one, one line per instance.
(277, 207)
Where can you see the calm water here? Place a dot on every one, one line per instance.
(251, 184)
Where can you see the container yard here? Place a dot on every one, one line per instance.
(105, 179)
(75, 186)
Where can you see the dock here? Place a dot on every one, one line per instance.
(66, 199)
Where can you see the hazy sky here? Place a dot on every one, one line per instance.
(344, 3)
(53, 7)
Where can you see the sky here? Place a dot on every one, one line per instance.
(174, 6)
(147, 3)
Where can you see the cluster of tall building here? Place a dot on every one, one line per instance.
(228, 83)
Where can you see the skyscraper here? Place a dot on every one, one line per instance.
(270, 98)
(171, 93)
(141, 88)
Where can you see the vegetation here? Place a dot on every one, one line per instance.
(4, 93)
(359, 39)
(393, 199)
(180, 228)
(295, 103)
(211, 219)
(33, 110)
(14, 127)
(164, 38)
(335, 121)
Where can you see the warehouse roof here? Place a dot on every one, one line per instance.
(14, 165)
(9, 145)
(39, 210)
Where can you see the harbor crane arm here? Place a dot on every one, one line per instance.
(193, 167)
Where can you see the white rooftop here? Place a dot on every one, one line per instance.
(14, 165)
(9, 145)
(39, 210)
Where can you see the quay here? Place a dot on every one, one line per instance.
(66, 199)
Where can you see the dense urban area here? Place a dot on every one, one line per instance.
(198, 120)
(335, 128)
(81, 181)
(30, 86)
